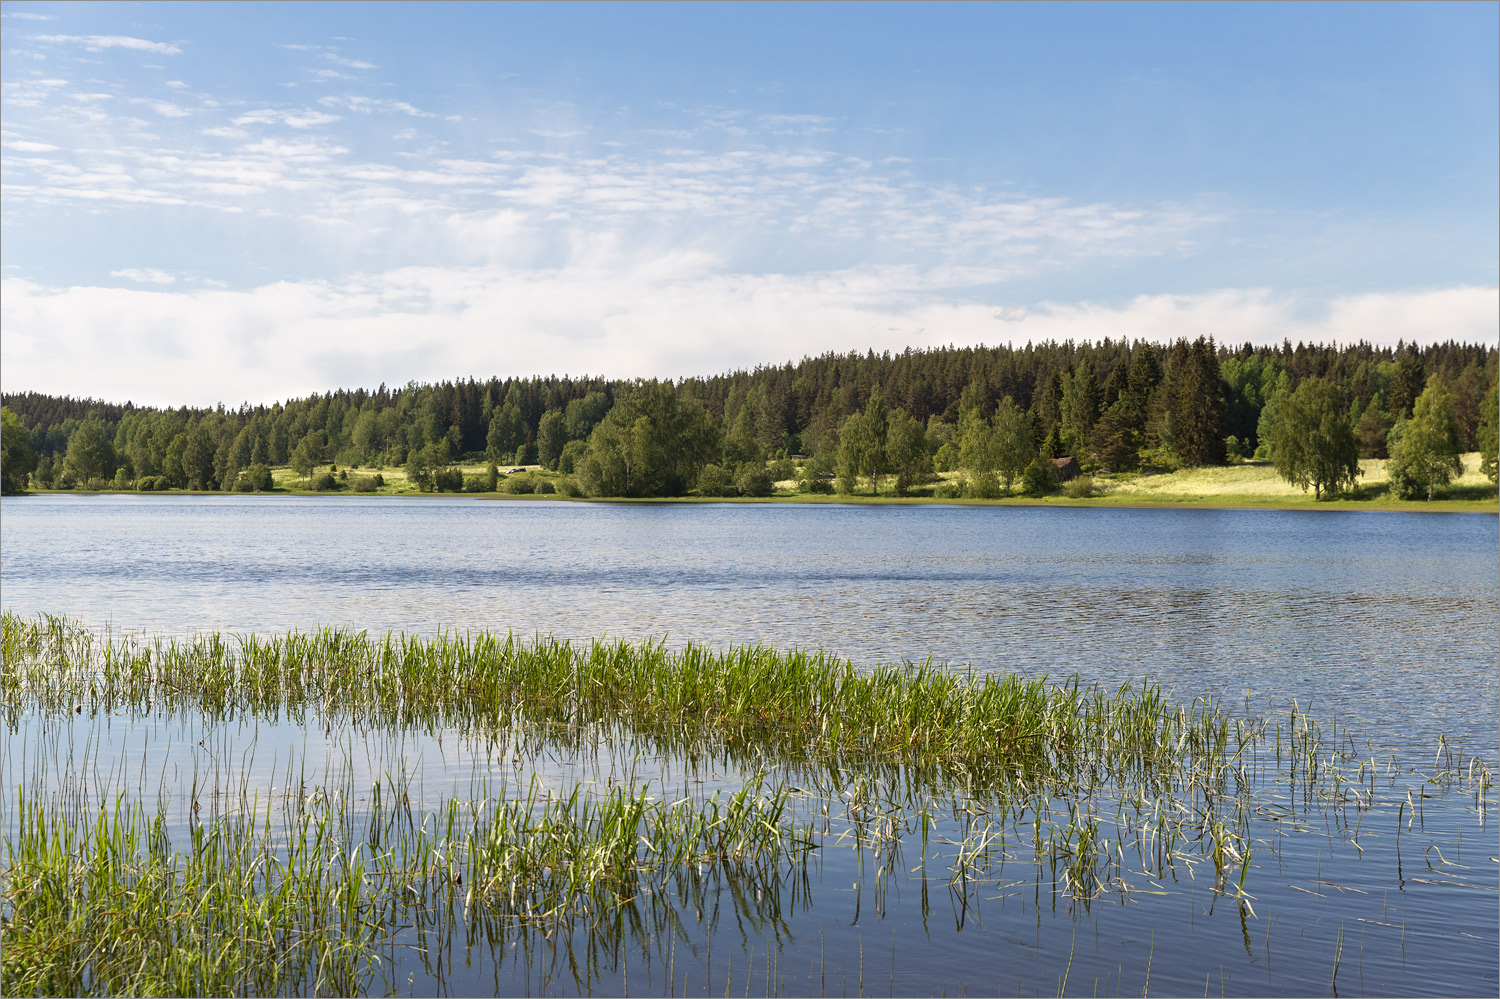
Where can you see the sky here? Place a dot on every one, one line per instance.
(205, 203)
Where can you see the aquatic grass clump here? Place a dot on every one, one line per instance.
(797, 704)
(103, 903)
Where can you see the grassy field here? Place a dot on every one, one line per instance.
(1251, 485)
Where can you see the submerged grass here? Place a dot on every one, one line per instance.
(1094, 793)
(805, 705)
(302, 900)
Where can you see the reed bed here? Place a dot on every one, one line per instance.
(1091, 793)
(293, 896)
(798, 703)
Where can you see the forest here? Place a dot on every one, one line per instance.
(839, 422)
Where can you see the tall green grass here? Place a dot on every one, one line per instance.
(801, 704)
(298, 896)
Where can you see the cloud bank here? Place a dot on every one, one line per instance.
(672, 316)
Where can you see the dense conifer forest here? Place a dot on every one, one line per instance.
(1001, 414)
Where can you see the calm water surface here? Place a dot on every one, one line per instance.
(1387, 621)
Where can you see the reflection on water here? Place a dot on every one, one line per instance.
(1386, 621)
(1366, 613)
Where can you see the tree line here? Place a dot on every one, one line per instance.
(839, 421)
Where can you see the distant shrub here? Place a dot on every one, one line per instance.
(568, 486)
(982, 486)
(520, 484)
(148, 483)
(755, 480)
(366, 484)
(1040, 477)
(715, 480)
(477, 484)
(448, 480)
(947, 490)
(325, 482)
(545, 487)
(257, 479)
(1163, 459)
(242, 485)
(1080, 488)
(783, 469)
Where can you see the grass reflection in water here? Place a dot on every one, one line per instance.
(346, 884)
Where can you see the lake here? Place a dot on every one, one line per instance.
(1385, 622)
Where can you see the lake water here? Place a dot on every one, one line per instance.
(1387, 616)
(1387, 621)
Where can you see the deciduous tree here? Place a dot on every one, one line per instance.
(1313, 442)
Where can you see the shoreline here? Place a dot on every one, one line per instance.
(1227, 502)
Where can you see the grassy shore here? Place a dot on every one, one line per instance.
(1250, 485)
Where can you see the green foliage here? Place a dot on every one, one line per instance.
(366, 484)
(862, 451)
(507, 429)
(423, 463)
(1118, 435)
(1159, 459)
(582, 415)
(308, 453)
(257, 479)
(1424, 449)
(1488, 435)
(906, 450)
(1192, 403)
(799, 407)
(17, 459)
(551, 438)
(90, 453)
(1081, 487)
(448, 480)
(1312, 441)
(1014, 441)
(755, 480)
(1040, 477)
(1371, 431)
(654, 442)
(325, 482)
(716, 481)
(519, 484)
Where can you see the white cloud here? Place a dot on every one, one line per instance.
(23, 146)
(670, 314)
(369, 105)
(164, 108)
(26, 15)
(149, 275)
(293, 119)
(96, 43)
(339, 60)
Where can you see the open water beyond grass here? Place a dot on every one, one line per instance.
(474, 813)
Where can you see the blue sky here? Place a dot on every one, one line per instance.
(224, 202)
